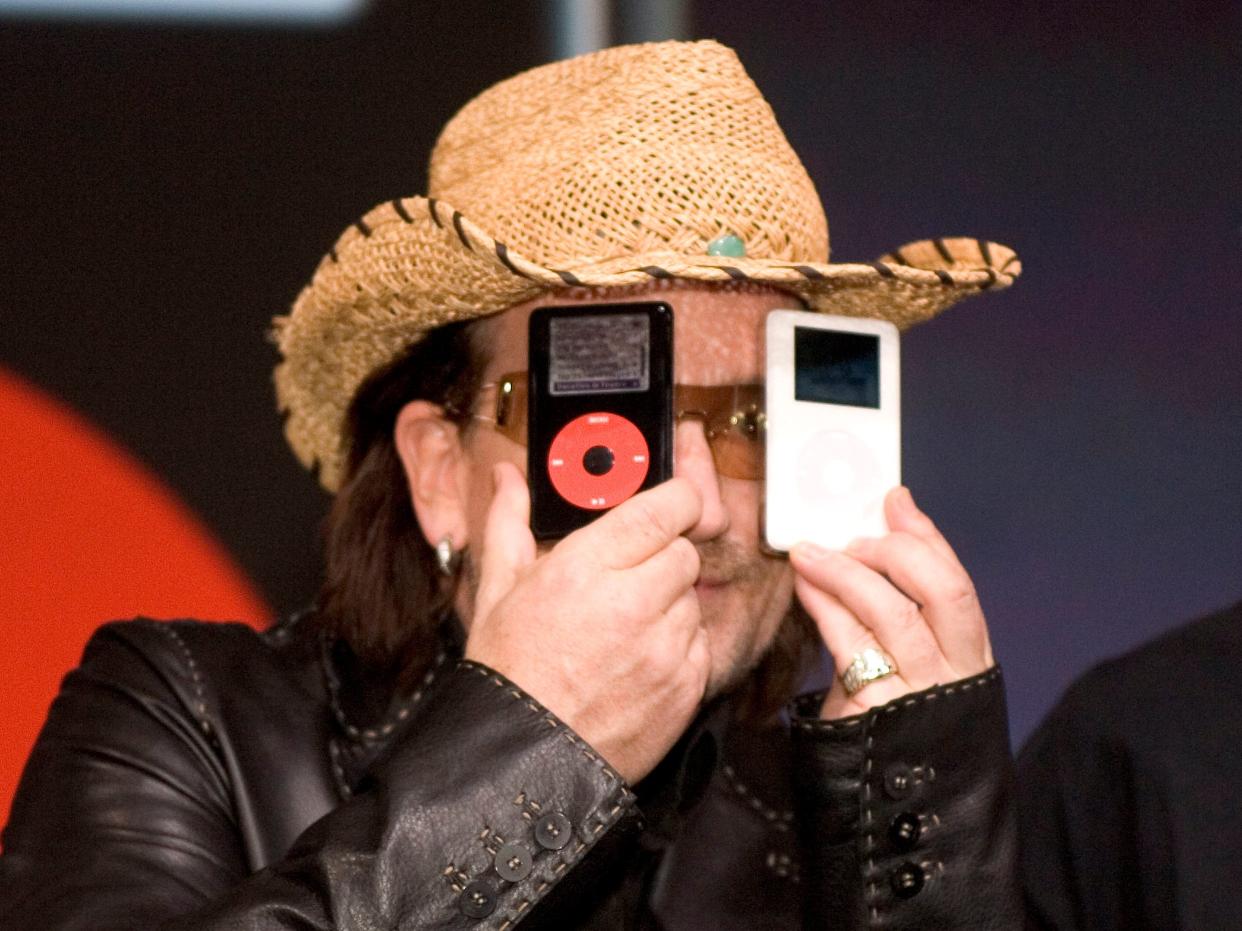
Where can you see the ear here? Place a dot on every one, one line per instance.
(430, 450)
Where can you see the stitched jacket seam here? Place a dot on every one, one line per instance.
(190, 666)
(867, 720)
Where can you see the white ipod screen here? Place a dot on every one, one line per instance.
(835, 367)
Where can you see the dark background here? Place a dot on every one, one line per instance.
(167, 188)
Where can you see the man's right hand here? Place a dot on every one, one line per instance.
(603, 629)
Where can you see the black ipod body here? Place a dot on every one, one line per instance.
(600, 410)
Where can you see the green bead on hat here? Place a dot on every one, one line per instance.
(729, 244)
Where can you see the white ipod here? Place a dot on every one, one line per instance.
(833, 427)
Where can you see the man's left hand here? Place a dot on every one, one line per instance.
(905, 594)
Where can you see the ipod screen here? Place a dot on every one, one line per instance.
(834, 367)
(598, 354)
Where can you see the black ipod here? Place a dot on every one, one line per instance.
(600, 410)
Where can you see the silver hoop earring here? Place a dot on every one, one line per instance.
(447, 558)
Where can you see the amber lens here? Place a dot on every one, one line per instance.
(737, 455)
(733, 420)
(732, 417)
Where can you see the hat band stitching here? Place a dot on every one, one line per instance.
(401, 211)
(524, 268)
(461, 233)
(502, 253)
(985, 250)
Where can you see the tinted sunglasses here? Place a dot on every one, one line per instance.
(732, 416)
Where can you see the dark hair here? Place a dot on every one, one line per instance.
(382, 592)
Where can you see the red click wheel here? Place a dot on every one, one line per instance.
(598, 460)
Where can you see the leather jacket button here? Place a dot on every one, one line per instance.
(907, 880)
(903, 831)
(478, 900)
(513, 862)
(898, 781)
(553, 830)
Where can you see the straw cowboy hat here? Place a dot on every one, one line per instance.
(620, 167)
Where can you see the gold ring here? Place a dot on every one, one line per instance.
(867, 667)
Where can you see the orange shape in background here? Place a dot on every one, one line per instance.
(87, 534)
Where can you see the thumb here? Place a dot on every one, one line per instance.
(508, 545)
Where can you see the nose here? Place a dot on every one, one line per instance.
(692, 460)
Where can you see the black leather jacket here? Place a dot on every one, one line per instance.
(204, 776)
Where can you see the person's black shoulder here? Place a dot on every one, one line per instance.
(1125, 790)
(202, 651)
(1165, 689)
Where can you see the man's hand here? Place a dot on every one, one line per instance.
(603, 629)
(905, 593)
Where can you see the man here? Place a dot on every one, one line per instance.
(470, 730)
(1128, 817)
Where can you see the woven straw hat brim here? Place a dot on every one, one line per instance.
(413, 264)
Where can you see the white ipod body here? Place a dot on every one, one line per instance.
(833, 427)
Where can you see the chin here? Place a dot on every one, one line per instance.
(733, 660)
(741, 628)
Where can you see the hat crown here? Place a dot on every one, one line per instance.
(635, 150)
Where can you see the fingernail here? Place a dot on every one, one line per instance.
(858, 545)
(905, 500)
(809, 551)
